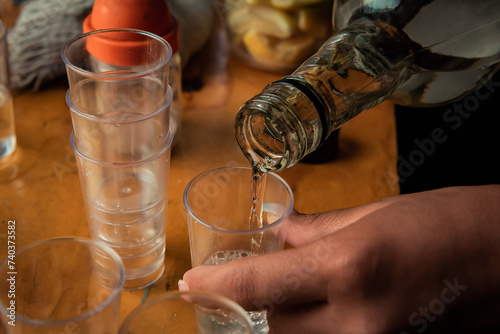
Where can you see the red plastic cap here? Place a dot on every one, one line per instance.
(148, 15)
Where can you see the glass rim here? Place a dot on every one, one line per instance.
(240, 232)
(207, 295)
(75, 110)
(116, 290)
(253, 110)
(123, 76)
(167, 146)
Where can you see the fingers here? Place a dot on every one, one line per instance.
(265, 281)
(386, 260)
(301, 274)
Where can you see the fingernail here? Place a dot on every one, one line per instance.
(182, 285)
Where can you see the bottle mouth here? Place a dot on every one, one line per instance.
(264, 136)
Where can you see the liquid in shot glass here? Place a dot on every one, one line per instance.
(221, 206)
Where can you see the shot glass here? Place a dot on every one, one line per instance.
(7, 126)
(123, 137)
(220, 207)
(119, 93)
(188, 312)
(61, 285)
(126, 207)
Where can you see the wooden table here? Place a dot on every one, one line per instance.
(40, 189)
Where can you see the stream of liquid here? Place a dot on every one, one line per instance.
(257, 188)
(256, 216)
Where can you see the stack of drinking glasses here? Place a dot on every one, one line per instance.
(119, 100)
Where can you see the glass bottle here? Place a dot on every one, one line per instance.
(414, 52)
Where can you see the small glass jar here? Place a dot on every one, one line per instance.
(277, 35)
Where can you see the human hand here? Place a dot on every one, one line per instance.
(403, 264)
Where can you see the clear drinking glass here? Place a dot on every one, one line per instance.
(7, 126)
(121, 138)
(188, 312)
(220, 212)
(61, 285)
(126, 206)
(119, 93)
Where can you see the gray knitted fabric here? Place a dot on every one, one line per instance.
(44, 26)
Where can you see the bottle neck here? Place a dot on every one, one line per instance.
(278, 127)
(353, 71)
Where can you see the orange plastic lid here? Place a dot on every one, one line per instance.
(148, 15)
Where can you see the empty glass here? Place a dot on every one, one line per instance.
(188, 312)
(61, 285)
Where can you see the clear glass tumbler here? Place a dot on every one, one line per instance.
(188, 312)
(126, 206)
(220, 210)
(61, 285)
(118, 93)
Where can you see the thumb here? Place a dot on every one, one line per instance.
(261, 282)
